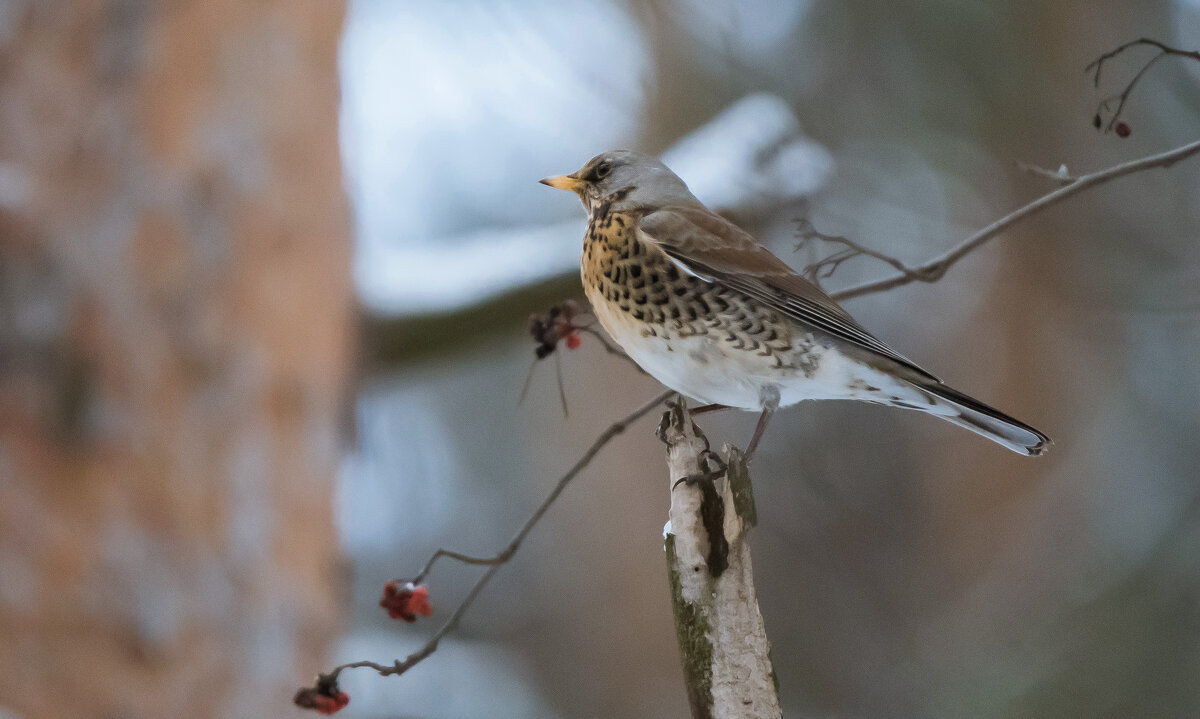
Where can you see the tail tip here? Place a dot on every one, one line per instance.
(1042, 446)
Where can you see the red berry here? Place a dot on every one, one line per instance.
(331, 705)
(322, 699)
(1122, 130)
(573, 341)
(405, 602)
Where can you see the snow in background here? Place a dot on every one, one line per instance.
(443, 103)
(501, 100)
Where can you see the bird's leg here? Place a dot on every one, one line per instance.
(667, 418)
(770, 401)
(711, 465)
(758, 431)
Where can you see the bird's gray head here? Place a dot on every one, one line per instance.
(623, 180)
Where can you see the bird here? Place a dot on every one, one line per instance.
(708, 311)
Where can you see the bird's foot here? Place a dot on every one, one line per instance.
(673, 417)
(665, 423)
(712, 468)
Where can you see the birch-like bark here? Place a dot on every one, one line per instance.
(722, 639)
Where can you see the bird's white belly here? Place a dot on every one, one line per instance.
(712, 371)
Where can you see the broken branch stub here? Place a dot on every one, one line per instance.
(722, 638)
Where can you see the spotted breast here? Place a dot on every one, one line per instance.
(705, 340)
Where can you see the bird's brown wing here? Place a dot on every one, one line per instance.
(716, 250)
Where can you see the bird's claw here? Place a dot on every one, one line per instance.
(663, 424)
(672, 417)
(713, 467)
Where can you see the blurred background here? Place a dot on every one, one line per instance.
(264, 273)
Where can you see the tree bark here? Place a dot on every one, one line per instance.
(722, 638)
(176, 328)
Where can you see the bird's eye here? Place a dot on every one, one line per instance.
(602, 170)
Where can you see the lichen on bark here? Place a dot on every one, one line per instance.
(740, 486)
(695, 645)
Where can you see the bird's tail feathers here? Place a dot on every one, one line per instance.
(969, 413)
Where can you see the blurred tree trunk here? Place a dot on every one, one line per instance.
(175, 311)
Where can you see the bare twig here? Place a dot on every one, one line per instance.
(557, 326)
(562, 387)
(1121, 98)
(934, 270)
(1062, 176)
(824, 268)
(501, 558)
(494, 563)
(1096, 66)
(528, 380)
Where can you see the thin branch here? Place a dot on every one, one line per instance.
(1062, 176)
(1123, 97)
(934, 270)
(824, 268)
(500, 558)
(528, 380)
(557, 326)
(494, 563)
(562, 387)
(1096, 66)
(1098, 63)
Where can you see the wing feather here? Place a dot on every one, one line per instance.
(718, 251)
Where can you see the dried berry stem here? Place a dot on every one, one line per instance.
(400, 666)
(1097, 66)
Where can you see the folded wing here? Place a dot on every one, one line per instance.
(718, 251)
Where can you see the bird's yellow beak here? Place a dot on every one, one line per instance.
(569, 183)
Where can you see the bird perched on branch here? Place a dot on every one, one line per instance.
(712, 314)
